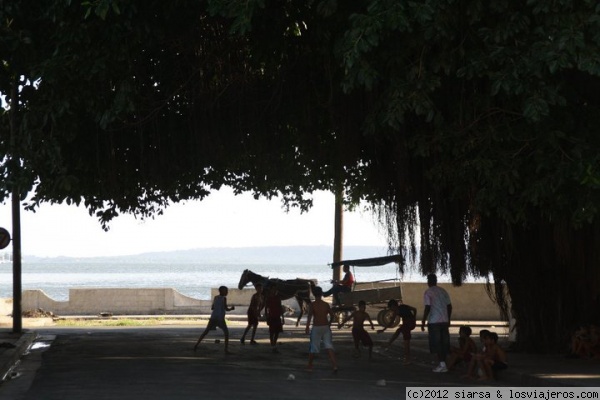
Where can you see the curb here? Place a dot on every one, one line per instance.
(12, 356)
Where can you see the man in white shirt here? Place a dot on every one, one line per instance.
(438, 310)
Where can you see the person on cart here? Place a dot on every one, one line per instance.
(341, 286)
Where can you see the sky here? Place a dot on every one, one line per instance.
(221, 220)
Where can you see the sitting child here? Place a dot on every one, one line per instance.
(496, 361)
(585, 342)
(482, 334)
(465, 350)
(491, 360)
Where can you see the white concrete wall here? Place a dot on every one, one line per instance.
(36, 299)
(120, 301)
(470, 301)
(6, 306)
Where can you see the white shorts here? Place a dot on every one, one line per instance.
(318, 334)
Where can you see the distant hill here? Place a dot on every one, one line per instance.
(297, 255)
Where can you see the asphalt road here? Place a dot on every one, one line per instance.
(159, 363)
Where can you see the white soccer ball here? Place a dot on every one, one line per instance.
(380, 382)
(291, 377)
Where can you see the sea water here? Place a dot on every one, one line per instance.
(191, 279)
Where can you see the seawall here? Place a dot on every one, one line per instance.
(470, 301)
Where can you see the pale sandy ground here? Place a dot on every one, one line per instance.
(198, 320)
(32, 323)
(28, 323)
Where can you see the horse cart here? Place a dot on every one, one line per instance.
(375, 293)
(298, 288)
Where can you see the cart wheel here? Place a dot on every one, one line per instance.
(384, 318)
(380, 317)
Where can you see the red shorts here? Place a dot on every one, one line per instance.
(407, 326)
(252, 319)
(275, 325)
(362, 336)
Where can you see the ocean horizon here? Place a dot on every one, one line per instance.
(192, 272)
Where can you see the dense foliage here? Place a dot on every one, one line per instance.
(470, 126)
(496, 107)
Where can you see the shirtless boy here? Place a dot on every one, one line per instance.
(359, 334)
(321, 315)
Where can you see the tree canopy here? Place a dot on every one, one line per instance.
(470, 127)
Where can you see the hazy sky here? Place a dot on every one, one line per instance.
(221, 220)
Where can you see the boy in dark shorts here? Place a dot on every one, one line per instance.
(496, 358)
(274, 313)
(465, 350)
(490, 361)
(256, 304)
(217, 317)
(359, 334)
(409, 322)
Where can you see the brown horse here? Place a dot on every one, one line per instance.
(297, 288)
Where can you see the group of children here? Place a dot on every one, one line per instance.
(320, 313)
(490, 359)
(407, 313)
(273, 310)
(482, 365)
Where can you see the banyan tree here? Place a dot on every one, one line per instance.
(471, 128)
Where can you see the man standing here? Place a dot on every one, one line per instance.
(438, 310)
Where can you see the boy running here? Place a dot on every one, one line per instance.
(359, 334)
(256, 304)
(409, 322)
(217, 317)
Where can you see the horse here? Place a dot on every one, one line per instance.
(298, 288)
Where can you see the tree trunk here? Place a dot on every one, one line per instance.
(16, 209)
(338, 233)
(554, 283)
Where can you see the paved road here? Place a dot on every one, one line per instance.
(159, 363)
